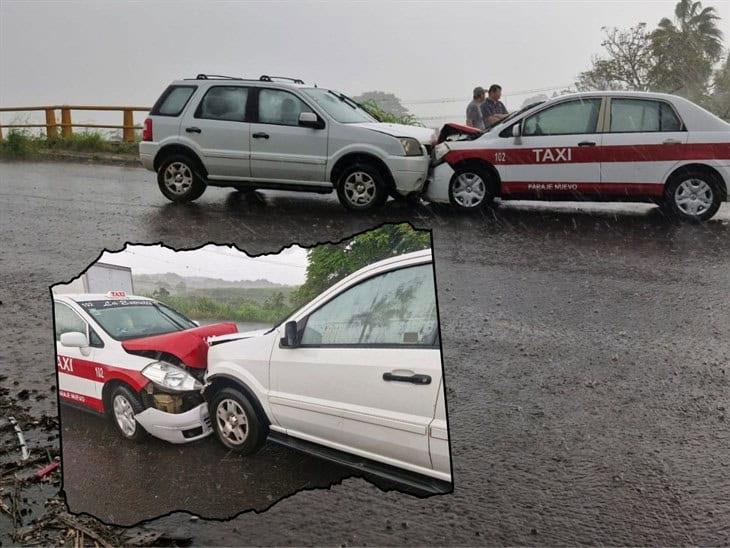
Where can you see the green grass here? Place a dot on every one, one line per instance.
(205, 308)
(23, 144)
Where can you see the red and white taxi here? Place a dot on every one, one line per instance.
(136, 360)
(603, 146)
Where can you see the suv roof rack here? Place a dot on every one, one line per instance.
(266, 78)
(216, 76)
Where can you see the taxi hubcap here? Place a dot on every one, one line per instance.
(360, 188)
(693, 197)
(124, 415)
(232, 421)
(178, 178)
(469, 190)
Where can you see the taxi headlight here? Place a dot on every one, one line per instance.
(171, 377)
(411, 147)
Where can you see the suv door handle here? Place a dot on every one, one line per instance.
(587, 144)
(261, 135)
(672, 142)
(415, 379)
(193, 129)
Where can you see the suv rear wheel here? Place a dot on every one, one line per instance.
(361, 187)
(179, 179)
(692, 196)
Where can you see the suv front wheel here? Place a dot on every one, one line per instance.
(179, 179)
(235, 422)
(361, 187)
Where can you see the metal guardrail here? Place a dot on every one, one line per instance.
(66, 125)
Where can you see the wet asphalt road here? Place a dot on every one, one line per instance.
(586, 352)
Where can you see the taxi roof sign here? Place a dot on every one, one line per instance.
(117, 294)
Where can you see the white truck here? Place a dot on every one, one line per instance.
(99, 278)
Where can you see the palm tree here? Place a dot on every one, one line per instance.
(687, 48)
(697, 26)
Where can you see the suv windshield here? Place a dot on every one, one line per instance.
(131, 319)
(339, 106)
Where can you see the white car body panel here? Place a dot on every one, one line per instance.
(652, 157)
(336, 396)
(169, 426)
(83, 372)
(291, 154)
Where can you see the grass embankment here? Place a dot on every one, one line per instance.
(24, 145)
(231, 308)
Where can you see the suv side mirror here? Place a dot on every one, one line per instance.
(74, 339)
(289, 340)
(516, 131)
(311, 120)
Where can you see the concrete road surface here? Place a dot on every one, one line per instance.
(586, 352)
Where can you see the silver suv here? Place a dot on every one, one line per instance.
(279, 133)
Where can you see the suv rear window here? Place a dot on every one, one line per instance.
(224, 103)
(173, 100)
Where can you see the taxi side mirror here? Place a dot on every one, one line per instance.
(74, 339)
(516, 131)
(289, 340)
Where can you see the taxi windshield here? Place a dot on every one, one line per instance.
(514, 114)
(132, 319)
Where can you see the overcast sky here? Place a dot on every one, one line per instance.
(214, 261)
(126, 53)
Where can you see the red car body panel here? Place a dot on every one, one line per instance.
(189, 346)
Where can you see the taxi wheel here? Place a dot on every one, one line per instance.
(179, 179)
(362, 187)
(235, 422)
(693, 196)
(471, 188)
(124, 405)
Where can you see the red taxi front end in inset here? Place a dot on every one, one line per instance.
(135, 360)
(595, 146)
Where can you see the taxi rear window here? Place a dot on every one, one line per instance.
(173, 100)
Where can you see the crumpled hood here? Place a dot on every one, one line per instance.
(189, 346)
(238, 336)
(424, 135)
(459, 132)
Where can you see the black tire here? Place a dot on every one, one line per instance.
(692, 190)
(471, 188)
(187, 168)
(124, 393)
(235, 402)
(364, 193)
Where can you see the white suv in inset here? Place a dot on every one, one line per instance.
(279, 133)
(355, 376)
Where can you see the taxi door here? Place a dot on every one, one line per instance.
(76, 367)
(365, 375)
(644, 140)
(558, 151)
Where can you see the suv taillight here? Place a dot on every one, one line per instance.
(147, 131)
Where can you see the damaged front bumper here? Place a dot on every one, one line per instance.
(184, 427)
(437, 188)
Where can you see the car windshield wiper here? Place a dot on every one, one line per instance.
(345, 99)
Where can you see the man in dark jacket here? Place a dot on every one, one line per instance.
(493, 110)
